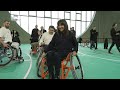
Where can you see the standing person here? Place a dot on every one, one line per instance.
(95, 38)
(80, 40)
(34, 39)
(73, 31)
(114, 34)
(62, 43)
(92, 37)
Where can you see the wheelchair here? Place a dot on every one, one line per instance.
(40, 52)
(7, 55)
(86, 43)
(71, 65)
(34, 48)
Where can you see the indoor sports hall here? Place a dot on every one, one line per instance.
(97, 34)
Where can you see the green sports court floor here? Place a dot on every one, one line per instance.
(97, 64)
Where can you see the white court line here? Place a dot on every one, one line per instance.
(99, 57)
(27, 60)
(28, 71)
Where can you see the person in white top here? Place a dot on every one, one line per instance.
(5, 34)
(6, 37)
(47, 37)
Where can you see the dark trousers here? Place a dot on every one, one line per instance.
(92, 44)
(113, 43)
(54, 61)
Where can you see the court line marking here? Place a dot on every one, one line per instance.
(29, 69)
(27, 60)
(107, 59)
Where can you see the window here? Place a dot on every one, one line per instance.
(24, 13)
(83, 15)
(88, 15)
(54, 14)
(40, 22)
(78, 28)
(24, 23)
(61, 15)
(72, 24)
(40, 13)
(15, 12)
(32, 13)
(54, 22)
(80, 20)
(73, 15)
(47, 14)
(67, 15)
(78, 17)
(47, 23)
(32, 23)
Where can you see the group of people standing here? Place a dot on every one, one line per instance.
(115, 37)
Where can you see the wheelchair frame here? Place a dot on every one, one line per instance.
(42, 73)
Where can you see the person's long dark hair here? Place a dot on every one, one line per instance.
(63, 22)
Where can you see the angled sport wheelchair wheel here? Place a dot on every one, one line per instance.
(6, 56)
(21, 59)
(18, 54)
(39, 57)
(42, 70)
(77, 70)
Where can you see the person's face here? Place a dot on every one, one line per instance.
(7, 24)
(61, 27)
(51, 30)
(42, 27)
(36, 26)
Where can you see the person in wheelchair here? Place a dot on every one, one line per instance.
(47, 37)
(62, 43)
(5, 36)
(15, 43)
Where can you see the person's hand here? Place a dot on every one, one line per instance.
(74, 53)
(5, 45)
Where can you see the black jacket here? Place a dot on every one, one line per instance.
(113, 34)
(93, 35)
(34, 35)
(61, 43)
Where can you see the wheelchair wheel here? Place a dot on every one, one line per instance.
(87, 43)
(77, 70)
(6, 55)
(19, 55)
(42, 70)
(38, 59)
